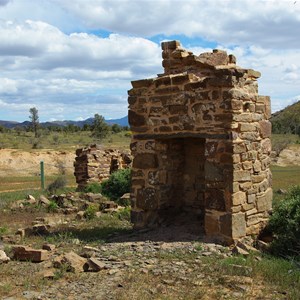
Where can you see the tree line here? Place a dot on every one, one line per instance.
(99, 128)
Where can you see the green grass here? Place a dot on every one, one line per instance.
(61, 140)
(30, 182)
(7, 198)
(284, 178)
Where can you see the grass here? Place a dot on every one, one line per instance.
(6, 198)
(30, 182)
(61, 140)
(284, 178)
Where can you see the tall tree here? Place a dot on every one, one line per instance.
(34, 119)
(100, 128)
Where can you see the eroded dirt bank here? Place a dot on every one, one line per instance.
(14, 162)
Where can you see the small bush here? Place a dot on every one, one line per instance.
(3, 230)
(117, 185)
(94, 188)
(90, 212)
(124, 214)
(285, 225)
(52, 207)
(59, 183)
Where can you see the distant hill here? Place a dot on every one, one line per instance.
(287, 120)
(11, 124)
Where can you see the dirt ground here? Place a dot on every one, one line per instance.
(14, 162)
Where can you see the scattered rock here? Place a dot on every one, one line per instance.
(107, 205)
(80, 215)
(94, 265)
(48, 247)
(262, 246)
(48, 273)
(246, 247)
(240, 251)
(44, 201)
(281, 192)
(25, 253)
(3, 257)
(72, 261)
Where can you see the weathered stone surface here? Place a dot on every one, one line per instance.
(25, 253)
(264, 203)
(147, 199)
(201, 144)
(265, 128)
(44, 201)
(49, 247)
(145, 161)
(94, 265)
(71, 261)
(3, 257)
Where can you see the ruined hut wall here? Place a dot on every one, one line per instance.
(94, 164)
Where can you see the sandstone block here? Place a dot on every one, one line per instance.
(265, 128)
(3, 257)
(24, 253)
(145, 161)
(241, 176)
(94, 265)
(72, 261)
(238, 198)
(264, 203)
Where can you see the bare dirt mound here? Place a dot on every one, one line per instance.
(289, 156)
(15, 162)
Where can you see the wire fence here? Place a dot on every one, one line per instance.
(34, 177)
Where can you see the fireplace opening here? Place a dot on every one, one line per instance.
(181, 160)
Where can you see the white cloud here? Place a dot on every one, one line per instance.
(39, 63)
(267, 23)
(49, 57)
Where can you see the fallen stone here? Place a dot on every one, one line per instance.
(24, 232)
(246, 247)
(94, 265)
(41, 229)
(44, 201)
(3, 257)
(108, 205)
(48, 247)
(262, 246)
(48, 274)
(282, 192)
(10, 239)
(240, 251)
(72, 261)
(30, 200)
(24, 253)
(93, 197)
(80, 215)
(17, 205)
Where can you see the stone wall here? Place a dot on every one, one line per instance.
(201, 142)
(95, 164)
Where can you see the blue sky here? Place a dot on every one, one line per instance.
(74, 58)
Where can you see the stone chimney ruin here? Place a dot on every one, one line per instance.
(201, 145)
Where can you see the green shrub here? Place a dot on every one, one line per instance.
(94, 188)
(52, 207)
(285, 225)
(124, 214)
(59, 183)
(90, 212)
(117, 185)
(3, 230)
